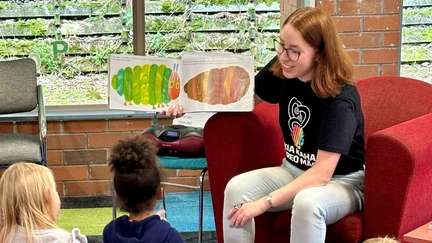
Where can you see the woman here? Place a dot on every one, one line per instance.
(321, 177)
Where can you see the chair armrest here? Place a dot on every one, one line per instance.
(239, 142)
(398, 176)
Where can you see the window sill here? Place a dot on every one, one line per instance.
(90, 114)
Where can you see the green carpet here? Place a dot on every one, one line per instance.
(91, 221)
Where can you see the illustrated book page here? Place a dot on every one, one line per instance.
(143, 83)
(198, 82)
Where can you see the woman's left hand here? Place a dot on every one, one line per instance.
(239, 215)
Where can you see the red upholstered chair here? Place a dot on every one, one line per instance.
(398, 129)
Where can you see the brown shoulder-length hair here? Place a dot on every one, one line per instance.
(333, 67)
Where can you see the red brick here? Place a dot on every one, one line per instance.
(53, 127)
(27, 127)
(137, 133)
(100, 172)
(65, 141)
(33, 127)
(390, 69)
(165, 121)
(189, 173)
(381, 23)
(328, 6)
(347, 24)
(169, 173)
(207, 185)
(355, 55)
(85, 157)
(87, 188)
(391, 39)
(55, 157)
(70, 173)
(347, 7)
(105, 140)
(85, 126)
(362, 40)
(380, 56)
(60, 188)
(365, 71)
(392, 6)
(286, 8)
(129, 124)
(6, 127)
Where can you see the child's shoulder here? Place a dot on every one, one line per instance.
(50, 235)
(60, 235)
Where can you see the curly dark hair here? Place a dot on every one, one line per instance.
(137, 175)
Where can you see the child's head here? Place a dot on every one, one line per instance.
(28, 198)
(136, 174)
(381, 240)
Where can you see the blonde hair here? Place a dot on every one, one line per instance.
(385, 239)
(26, 191)
(333, 67)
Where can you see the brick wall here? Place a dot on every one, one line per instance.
(78, 152)
(370, 31)
(287, 7)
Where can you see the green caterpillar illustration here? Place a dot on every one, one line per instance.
(148, 84)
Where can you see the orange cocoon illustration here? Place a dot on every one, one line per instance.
(219, 85)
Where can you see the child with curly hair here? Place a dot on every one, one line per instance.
(137, 183)
(29, 206)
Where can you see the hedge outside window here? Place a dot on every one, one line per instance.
(71, 40)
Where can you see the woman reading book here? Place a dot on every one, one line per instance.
(321, 177)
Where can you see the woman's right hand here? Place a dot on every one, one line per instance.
(173, 111)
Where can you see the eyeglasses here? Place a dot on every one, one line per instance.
(292, 54)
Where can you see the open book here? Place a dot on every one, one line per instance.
(198, 82)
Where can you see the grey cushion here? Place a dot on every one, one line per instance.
(18, 77)
(19, 147)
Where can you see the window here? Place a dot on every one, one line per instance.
(71, 40)
(416, 53)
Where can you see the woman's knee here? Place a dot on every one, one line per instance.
(233, 187)
(306, 203)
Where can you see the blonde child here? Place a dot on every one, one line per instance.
(381, 240)
(29, 206)
(137, 185)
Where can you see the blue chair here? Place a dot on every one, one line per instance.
(187, 164)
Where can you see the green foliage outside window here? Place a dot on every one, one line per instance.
(95, 29)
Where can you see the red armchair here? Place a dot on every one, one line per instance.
(398, 130)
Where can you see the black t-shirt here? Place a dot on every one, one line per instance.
(310, 123)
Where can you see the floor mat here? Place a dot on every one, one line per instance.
(91, 221)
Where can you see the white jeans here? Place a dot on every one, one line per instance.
(312, 208)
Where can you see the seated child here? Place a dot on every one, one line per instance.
(385, 239)
(29, 206)
(137, 185)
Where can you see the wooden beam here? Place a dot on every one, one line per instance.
(138, 15)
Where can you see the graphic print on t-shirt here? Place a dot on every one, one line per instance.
(298, 118)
